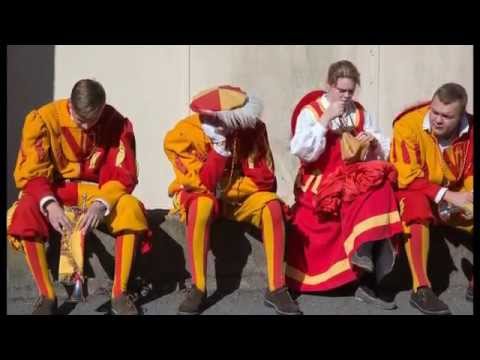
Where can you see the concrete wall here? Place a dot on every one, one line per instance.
(153, 84)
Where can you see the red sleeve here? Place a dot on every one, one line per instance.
(428, 188)
(212, 170)
(39, 187)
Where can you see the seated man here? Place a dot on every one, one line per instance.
(432, 149)
(224, 167)
(74, 149)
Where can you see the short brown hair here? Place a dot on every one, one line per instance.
(343, 69)
(451, 92)
(87, 97)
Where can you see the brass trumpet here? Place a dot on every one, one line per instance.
(71, 257)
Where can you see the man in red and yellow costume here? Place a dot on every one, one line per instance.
(75, 149)
(224, 168)
(432, 149)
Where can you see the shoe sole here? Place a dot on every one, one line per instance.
(187, 313)
(426, 312)
(373, 302)
(272, 305)
(113, 312)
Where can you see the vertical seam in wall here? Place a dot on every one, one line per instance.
(188, 77)
(54, 71)
(379, 49)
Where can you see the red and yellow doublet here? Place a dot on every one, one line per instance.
(57, 158)
(241, 188)
(423, 169)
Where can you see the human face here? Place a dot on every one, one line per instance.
(343, 90)
(445, 119)
(85, 124)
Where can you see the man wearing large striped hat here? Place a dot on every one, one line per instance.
(224, 168)
(432, 149)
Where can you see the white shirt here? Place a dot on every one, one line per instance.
(309, 141)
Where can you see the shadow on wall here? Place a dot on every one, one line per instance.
(30, 76)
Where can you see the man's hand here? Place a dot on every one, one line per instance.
(93, 217)
(57, 218)
(459, 198)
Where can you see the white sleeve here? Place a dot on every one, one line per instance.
(43, 201)
(309, 140)
(218, 139)
(382, 151)
(440, 195)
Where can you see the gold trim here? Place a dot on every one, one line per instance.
(370, 223)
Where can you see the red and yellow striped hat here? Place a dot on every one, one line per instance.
(220, 98)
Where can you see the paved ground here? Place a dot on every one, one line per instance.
(237, 262)
(249, 302)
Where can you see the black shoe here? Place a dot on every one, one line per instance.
(425, 300)
(193, 302)
(45, 306)
(123, 305)
(363, 262)
(281, 301)
(469, 294)
(368, 296)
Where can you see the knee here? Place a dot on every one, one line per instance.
(128, 214)
(415, 206)
(24, 219)
(129, 204)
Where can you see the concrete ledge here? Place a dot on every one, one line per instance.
(237, 260)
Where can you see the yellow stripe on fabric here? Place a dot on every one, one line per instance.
(368, 224)
(268, 243)
(128, 247)
(334, 270)
(204, 206)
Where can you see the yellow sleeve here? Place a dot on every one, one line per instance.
(33, 158)
(180, 150)
(468, 183)
(405, 154)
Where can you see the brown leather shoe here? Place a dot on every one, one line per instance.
(124, 305)
(281, 301)
(193, 302)
(45, 306)
(425, 300)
